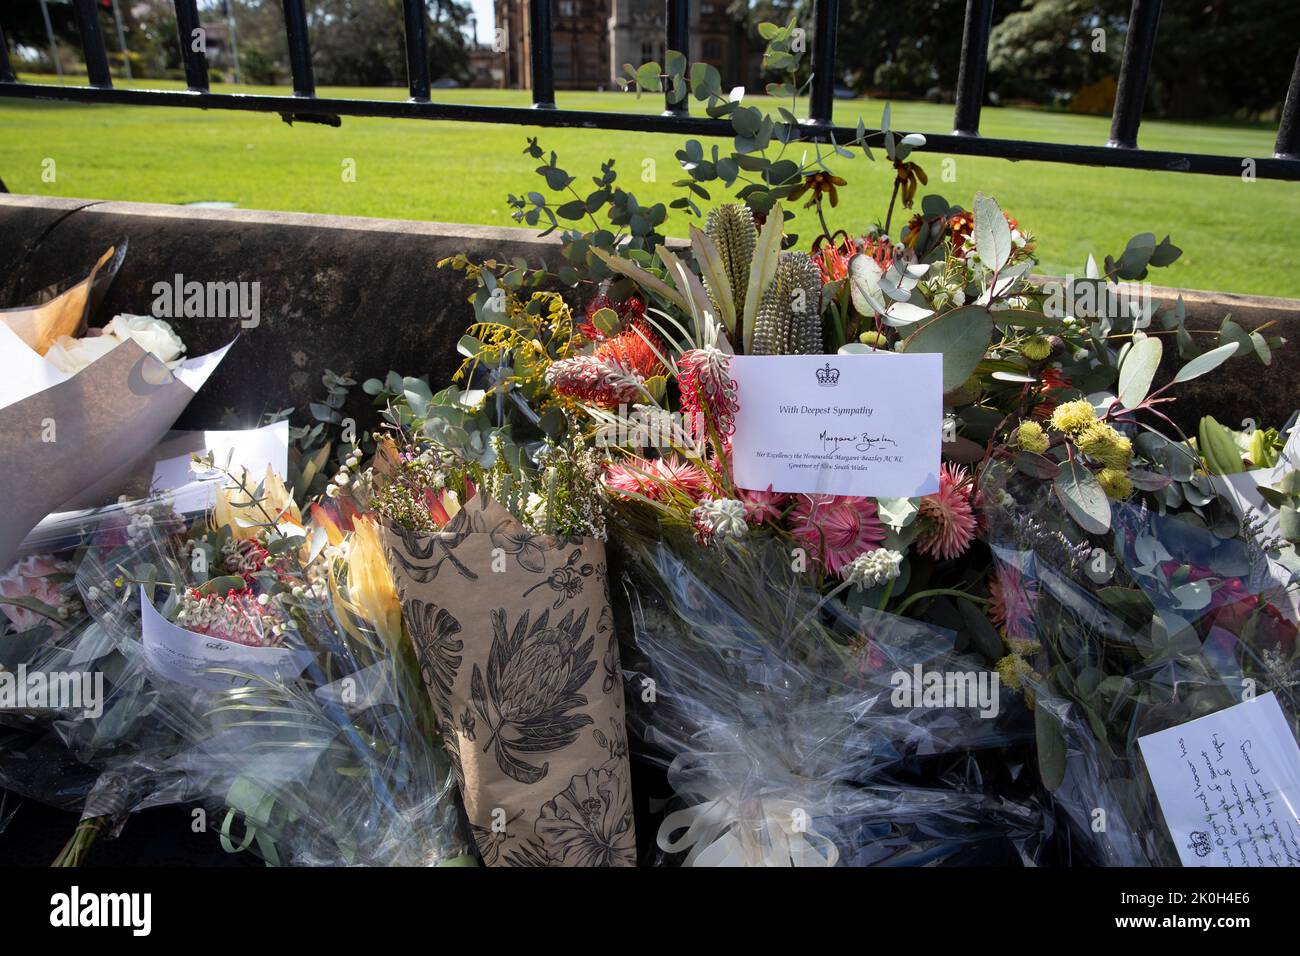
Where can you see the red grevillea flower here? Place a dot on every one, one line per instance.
(763, 506)
(1014, 597)
(600, 381)
(707, 388)
(1052, 380)
(653, 479)
(836, 528)
(833, 260)
(635, 349)
(948, 516)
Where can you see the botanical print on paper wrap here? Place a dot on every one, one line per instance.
(521, 663)
(533, 679)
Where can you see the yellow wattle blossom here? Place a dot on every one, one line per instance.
(1115, 482)
(1017, 674)
(371, 589)
(1073, 417)
(1104, 443)
(234, 508)
(1031, 437)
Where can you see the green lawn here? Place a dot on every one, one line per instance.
(1237, 236)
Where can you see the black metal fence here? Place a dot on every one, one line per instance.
(304, 105)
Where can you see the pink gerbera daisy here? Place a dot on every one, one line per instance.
(836, 528)
(949, 519)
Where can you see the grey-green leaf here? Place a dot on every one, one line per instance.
(1138, 369)
(1083, 497)
(1207, 362)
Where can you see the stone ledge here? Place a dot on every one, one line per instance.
(362, 296)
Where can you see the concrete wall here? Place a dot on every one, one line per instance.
(362, 296)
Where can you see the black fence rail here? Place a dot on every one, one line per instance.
(305, 106)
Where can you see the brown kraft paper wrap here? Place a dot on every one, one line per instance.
(515, 639)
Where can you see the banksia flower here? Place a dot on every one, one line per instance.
(789, 319)
(1036, 348)
(731, 227)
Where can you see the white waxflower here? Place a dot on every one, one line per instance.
(720, 518)
(873, 568)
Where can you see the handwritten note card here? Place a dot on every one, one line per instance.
(1229, 786)
(868, 425)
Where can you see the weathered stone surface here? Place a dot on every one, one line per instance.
(358, 296)
(362, 296)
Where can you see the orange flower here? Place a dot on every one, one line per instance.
(819, 183)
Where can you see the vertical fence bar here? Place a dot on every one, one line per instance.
(1288, 130)
(678, 37)
(6, 67)
(196, 60)
(295, 25)
(973, 68)
(543, 63)
(92, 43)
(821, 103)
(417, 51)
(1139, 45)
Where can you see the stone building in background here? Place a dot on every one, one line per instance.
(592, 39)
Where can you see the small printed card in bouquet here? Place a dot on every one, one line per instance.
(1229, 786)
(863, 425)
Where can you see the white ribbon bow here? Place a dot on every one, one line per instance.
(719, 833)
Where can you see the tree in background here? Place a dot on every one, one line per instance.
(1214, 59)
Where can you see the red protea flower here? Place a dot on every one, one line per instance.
(836, 528)
(707, 387)
(948, 518)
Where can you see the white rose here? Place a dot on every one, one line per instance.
(71, 355)
(153, 335)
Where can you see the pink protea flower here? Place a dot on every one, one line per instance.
(763, 506)
(606, 382)
(1013, 599)
(836, 528)
(950, 523)
(706, 386)
(652, 479)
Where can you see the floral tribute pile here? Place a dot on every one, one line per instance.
(509, 588)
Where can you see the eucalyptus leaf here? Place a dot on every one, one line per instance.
(1083, 497)
(960, 336)
(1138, 370)
(1207, 362)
